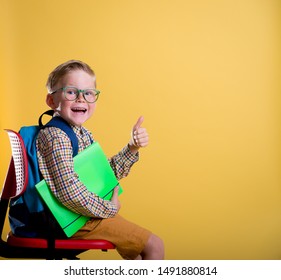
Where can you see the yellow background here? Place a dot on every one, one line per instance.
(205, 74)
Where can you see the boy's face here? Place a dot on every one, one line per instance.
(78, 111)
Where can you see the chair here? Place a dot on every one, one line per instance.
(34, 248)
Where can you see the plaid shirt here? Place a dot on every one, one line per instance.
(54, 152)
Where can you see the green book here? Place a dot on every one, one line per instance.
(95, 173)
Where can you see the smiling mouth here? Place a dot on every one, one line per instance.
(79, 110)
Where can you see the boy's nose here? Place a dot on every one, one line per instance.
(80, 97)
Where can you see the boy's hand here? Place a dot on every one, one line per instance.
(114, 199)
(139, 136)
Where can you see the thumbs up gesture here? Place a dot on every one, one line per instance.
(139, 136)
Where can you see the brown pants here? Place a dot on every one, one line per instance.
(129, 238)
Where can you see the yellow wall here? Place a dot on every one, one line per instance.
(205, 75)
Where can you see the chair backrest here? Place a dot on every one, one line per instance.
(16, 179)
(17, 176)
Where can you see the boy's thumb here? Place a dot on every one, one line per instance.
(138, 123)
(115, 191)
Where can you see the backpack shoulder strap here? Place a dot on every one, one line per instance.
(64, 126)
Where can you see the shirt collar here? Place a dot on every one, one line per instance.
(77, 129)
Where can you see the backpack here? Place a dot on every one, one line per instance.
(28, 216)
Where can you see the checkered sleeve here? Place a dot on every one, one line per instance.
(55, 160)
(123, 162)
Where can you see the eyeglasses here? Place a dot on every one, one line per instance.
(72, 93)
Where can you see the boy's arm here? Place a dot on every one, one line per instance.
(124, 160)
(56, 165)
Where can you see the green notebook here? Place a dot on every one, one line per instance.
(95, 173)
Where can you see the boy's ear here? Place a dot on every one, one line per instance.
(50, 101)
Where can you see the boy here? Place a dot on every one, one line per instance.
(72, 95)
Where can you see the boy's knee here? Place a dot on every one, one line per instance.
(156, 241)
(154, 247)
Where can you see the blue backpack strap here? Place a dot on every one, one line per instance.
(65, 126)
